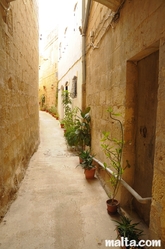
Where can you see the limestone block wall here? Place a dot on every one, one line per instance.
(117, 75)
(19, 121)
(48, 73)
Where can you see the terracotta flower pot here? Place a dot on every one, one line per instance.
(89, 173)
(62, 125)
(112, 207)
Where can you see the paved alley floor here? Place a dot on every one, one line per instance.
(56, 207)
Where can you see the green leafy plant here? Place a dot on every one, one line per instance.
(69, 118)
(113, 149)
(83, 128)
(87, 159)
(53, 110)
(62, 121)
(43, 99)
(69, 112)
(77, 123)
(57, 115)
(44, 108)
(129, 230)
(70, 136)
(67, 102)
(66, 99)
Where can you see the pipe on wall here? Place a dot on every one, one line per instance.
(85, 16)
(127, 186)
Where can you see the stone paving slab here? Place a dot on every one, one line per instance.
(56, 207)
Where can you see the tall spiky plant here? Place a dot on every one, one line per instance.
(113, 149)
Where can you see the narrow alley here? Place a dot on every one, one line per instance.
(98, 66)
(56, 207)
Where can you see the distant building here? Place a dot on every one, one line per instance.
(48, 72)
(70, 54)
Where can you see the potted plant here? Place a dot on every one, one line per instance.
(62, 123)
(113, 148)
(128, 233)
(68, 112)
(43, 99)
(76, 122)
(87, 164)
(70, 136)
(57, 116)
(69, 118)
(53, 111)
(84, 155)
(83, 128)
(81, 153)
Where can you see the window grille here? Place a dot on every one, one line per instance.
(74, 87)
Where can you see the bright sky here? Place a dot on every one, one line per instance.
(50, 11)
(48, 14)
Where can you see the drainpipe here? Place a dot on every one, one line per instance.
(127, 186)
(85, 16)
(85, 21)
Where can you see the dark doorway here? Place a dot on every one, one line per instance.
(145, 116)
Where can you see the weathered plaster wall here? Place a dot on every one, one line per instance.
(74, 71)
(70, 51)
(48, 76)
(19, 129)
(113, 53)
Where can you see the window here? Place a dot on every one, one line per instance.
(66, 86)
(74, 87)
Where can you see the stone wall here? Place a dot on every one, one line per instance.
(48, 77)
(19, 128)
(117, 52)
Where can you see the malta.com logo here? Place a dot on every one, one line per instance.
(132, 243)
